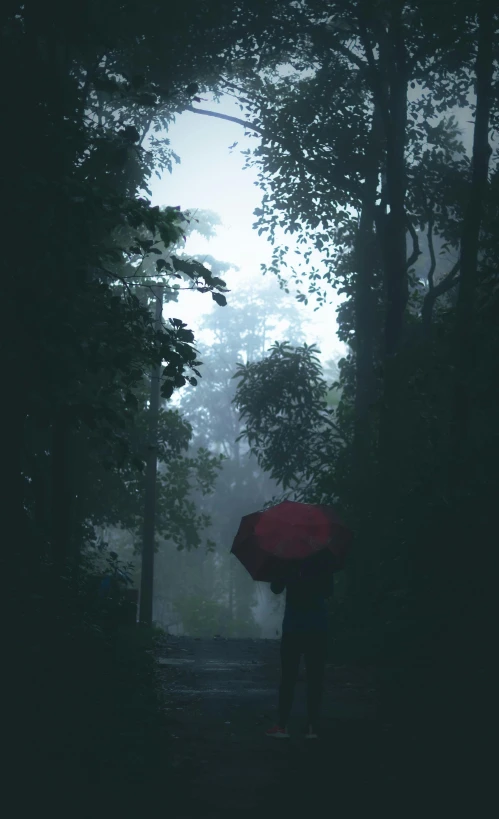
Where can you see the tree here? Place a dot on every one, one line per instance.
(85, 86)
(308, 162)
(241, 333)
(465, 340)
(314, 127)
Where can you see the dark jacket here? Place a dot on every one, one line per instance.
(305, 600)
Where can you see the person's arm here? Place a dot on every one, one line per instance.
(288, 573)
(277, 586)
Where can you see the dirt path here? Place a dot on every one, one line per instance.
(221, 695)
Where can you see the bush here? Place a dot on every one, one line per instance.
(204, 618)
(89, 727)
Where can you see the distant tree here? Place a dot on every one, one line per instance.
(240, 333)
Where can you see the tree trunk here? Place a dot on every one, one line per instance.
(61, 493)
(13, 513)
(231, 597)
(147, 572)
(365, 298)
(391, 96)
(388, 81)
(397, 288)
(42, 526)
(395, 248)
(464, 336)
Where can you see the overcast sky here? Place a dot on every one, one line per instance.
(212, 177)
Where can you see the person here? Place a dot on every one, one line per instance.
(308, 584)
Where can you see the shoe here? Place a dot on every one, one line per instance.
(277, 732)
(311, 734)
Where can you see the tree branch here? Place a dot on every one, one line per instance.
(450, 280)
(416, 252)
(145, 132)
(433, 262)
(334, 426)
(225, 116)
(90, 74)
(310, 165)
(350, 55)
(240, 90)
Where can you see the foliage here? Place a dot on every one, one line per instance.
(205, 618)
(417, 590)
(86, 85)
(96, 704)
(240, 332)
(84, 247)
(284, 399)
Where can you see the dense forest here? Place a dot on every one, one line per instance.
(365, 156)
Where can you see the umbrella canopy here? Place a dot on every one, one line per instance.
(289, 531)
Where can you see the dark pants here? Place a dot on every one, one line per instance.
(313, 645)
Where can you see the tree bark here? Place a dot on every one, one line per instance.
(464, 336)
(365, 296)
(13, 512)
(388, 80)
(397, 288)
(147, 573)
(61, 493)
(231, 597)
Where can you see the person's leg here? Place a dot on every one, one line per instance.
(290, 663)
(315, 649)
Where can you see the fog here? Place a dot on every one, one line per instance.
(198, 592)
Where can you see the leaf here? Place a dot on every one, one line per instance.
(187, 336)
(221, 300)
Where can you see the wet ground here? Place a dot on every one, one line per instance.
(221, 695)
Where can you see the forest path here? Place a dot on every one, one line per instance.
(221, 695)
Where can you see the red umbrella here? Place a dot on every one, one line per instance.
(289, 531)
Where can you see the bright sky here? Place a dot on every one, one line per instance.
(211, 177)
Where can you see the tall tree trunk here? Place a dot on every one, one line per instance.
(13, 512)
(464, 347)
(147, 570)
(389, 83)
(61, 493)
(231, 597)
(365, 312)
(40, 500)
(396, 282)
(388, 80)
(365, 298)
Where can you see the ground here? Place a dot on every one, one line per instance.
(221, 695)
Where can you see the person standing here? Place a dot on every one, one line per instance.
(308, 584)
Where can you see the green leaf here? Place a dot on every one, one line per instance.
(221, 300)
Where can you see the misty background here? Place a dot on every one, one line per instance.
(205, 591)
